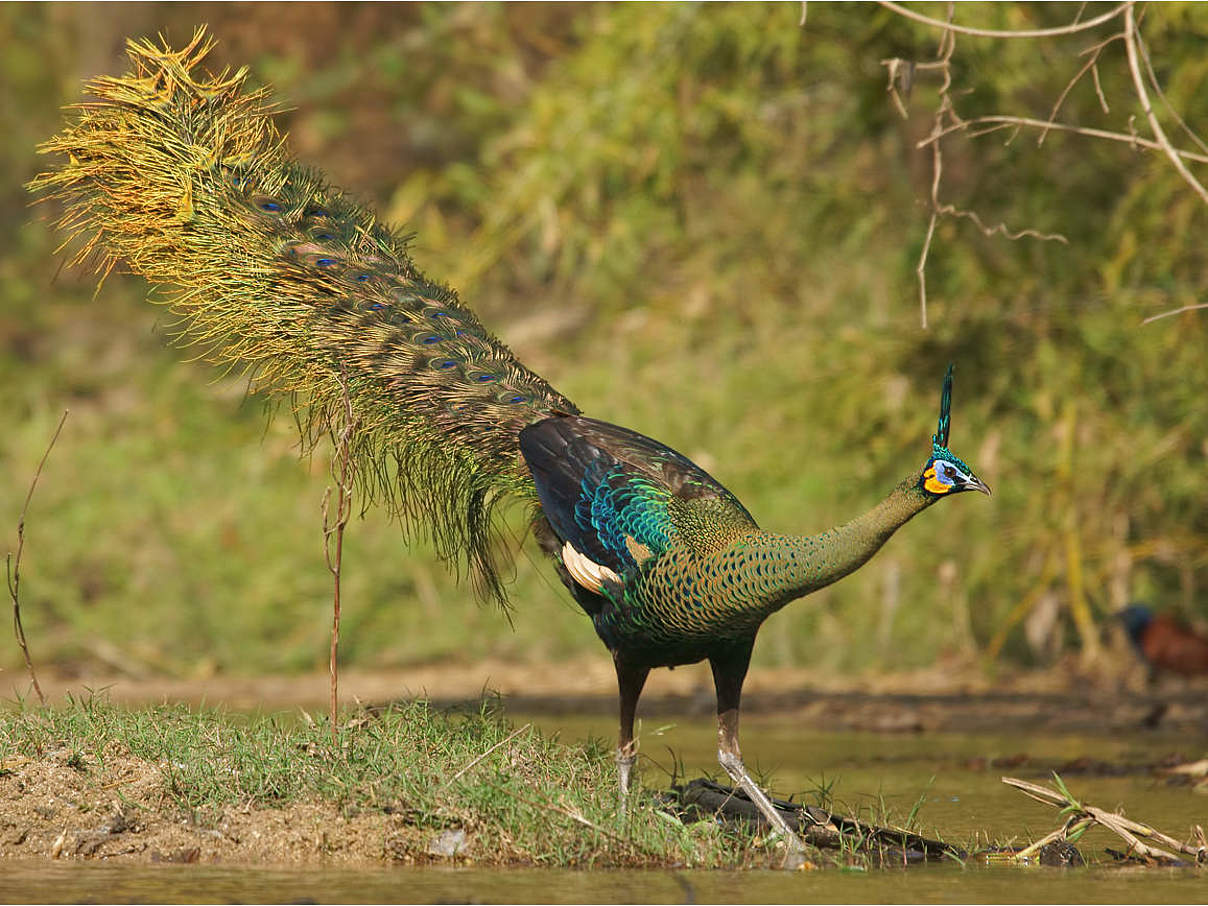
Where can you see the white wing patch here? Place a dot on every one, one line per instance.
(586, 572)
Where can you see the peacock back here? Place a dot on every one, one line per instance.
(652, 546)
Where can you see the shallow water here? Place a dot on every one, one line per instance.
(964, 802)
(957, 775)
(92, 883)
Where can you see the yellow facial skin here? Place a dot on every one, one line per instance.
(934, 485)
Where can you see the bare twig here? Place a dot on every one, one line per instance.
(900, 75)
(333, 534)
(1001, 229)
(952, 28)
(946, 121)
(1131, 39)
(13, 564)
(1005, 122)
(1082, 816)
(1175, 311)
(943, 58)
(1157, 87)
(1090, 64)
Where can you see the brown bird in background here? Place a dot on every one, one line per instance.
(1164, 642)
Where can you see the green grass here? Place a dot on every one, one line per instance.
(520, 796)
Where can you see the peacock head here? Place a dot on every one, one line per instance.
(946, 473)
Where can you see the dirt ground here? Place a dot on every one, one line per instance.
(51, 809)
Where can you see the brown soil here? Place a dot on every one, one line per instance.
(52, 810)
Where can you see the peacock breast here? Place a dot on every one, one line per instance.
(684, 606)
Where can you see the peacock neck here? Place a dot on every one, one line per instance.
(795, 565)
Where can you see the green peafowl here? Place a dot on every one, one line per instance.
(185, 180)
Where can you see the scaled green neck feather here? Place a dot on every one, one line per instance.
(796, 565)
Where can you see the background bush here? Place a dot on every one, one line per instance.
(701, 222)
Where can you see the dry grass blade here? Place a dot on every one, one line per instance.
(573, 814)
(477, 760)
(13, 564)
(1035, 791)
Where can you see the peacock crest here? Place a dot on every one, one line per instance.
(945, 472)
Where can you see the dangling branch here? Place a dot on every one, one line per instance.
(1131, 39)
(333, 534)
(947, 121)
(13, 565)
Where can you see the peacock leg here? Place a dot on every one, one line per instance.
(728, 676)
(630, 680)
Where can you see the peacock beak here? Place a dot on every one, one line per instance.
(973, 483)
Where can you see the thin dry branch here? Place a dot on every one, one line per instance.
(1001, 229)
(901, 74)
(1131, 40)
(947, 121)
(13, 564)
(479, 758)
(952, 28)
(1006, 122)
(333, 535)
(1099, 90)
(1157, 88)
(1082, 816)
(1091, 64)
(942, 62)
(1175, 311)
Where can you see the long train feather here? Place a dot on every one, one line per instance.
(186, 181)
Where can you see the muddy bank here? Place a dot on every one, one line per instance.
(53, 808)
(102, 786)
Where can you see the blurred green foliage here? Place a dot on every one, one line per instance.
(701, 222)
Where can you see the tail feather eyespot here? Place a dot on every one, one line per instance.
(268, 204)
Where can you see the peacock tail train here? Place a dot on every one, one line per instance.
(185, 180)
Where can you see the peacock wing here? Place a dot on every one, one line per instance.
(616, 498)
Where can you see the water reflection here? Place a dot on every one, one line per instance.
(92, 883)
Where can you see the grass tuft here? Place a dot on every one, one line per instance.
(520, 797)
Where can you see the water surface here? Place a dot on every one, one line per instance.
(85, 883)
